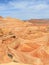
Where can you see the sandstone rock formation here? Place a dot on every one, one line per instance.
(23, 42)
(39, 21)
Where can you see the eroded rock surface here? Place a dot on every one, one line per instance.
(23, 42)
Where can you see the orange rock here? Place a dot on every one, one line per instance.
(30, 42)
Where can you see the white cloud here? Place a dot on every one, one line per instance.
(24, 5)
(18, 4)
(27, 9)
(39, 6)
(28, 5)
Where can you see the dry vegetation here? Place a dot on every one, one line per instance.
(23, 42)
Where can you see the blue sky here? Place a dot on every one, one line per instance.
(25, 9)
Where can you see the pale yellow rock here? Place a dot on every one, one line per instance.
(12, 63)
